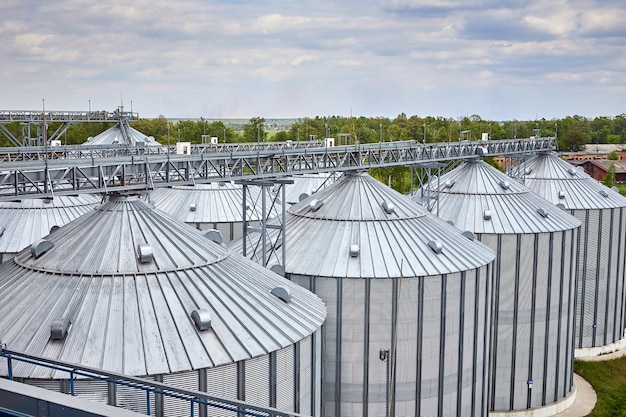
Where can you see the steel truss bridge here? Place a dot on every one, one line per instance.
(34, 122)
(66, 170)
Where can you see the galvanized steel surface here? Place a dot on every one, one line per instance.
(560, 182)
(217, 202)
(390, 244)
(115, 135)
(534, 277)
(25, 221)
(602, 246)
(360, 228)
(306, 185)
(133, 317)
(471, 190)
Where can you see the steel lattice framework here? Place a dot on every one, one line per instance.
(48, 172)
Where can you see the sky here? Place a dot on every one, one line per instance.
(498, 59)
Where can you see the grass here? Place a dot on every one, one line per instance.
(608, 379)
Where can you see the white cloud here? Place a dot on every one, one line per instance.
(309, 58)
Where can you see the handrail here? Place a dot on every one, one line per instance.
(150, 387)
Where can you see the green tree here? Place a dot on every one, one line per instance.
(254, 130)
(572, 141)
(609, 178)
(612, 156)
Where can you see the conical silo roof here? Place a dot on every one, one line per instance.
(393, 235)
(131, 305)
(306, 185)
(125, 135)
(216, 202)
(25, 221)
(560, 182)
(477, 197)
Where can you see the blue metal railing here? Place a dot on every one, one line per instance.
(152, 389)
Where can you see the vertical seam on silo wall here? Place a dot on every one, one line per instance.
(515, 313)
(442, 344)
(596, 294)
(494, 325)
(296, 378)
(547, 330)
(338, 349)
(533, 308)
(420, 335)
(366, 347)
(461, 348)
(608, 286)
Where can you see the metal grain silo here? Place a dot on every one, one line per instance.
(122, 134)
(534, 282)
(26, 221)
(602, 248)
(305, 186)
(217, 205)
(408, 300)
(129, 280)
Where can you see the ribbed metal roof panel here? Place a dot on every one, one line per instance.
(138, 321)
(558, 181)
(391, 244)
(213, 203)
(114, 135)
(306, 186)
(29, 220)
(466, 192)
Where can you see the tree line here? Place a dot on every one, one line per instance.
(573, 132)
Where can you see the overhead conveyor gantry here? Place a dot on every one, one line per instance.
(125, 169)
(29, 119)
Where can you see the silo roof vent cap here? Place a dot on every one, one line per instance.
(604, 193)
(449, 183)
(561, 194)
(571, 171)
(561, 206)
(40, 247)
(278, 269)
(528, 170)
(542, 213)
(487, 214)
(215, 236)
(436, 246)
(354, 250)
(282, 293)
(59, 328)
(504, 184)
(202, 319)
(303, 196)
(468, 235)
(144, 253)
(315, 205)
(192, 207)
(388, 207)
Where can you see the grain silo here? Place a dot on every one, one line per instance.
(216, 205)
(408, 301)
(534, 282)
(306, 185)
(25, 221)
(122, 134)
(149, 296)
(602, 248)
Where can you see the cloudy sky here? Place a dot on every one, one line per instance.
(498, 59)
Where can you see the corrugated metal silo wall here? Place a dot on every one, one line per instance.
(533, 318)
(600, 297)
(287, 379)
(442, 333)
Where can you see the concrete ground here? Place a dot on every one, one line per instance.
(586, 397)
